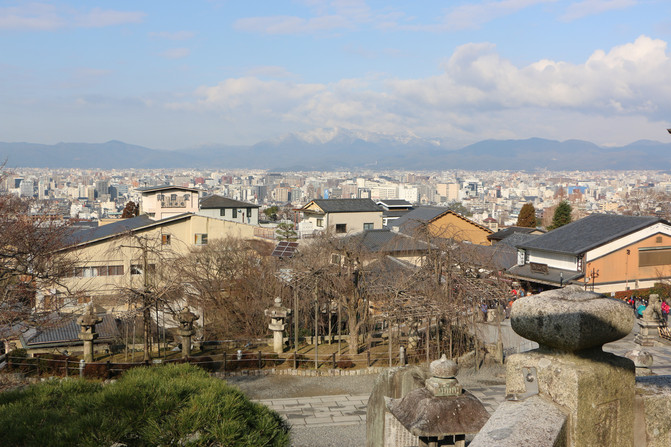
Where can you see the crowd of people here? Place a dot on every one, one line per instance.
(639, 304)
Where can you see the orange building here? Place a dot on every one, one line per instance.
(443, 223)
(604, 253)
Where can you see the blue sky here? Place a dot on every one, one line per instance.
(176, 74)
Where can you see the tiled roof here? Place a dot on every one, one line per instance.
(346, 205)
(588, 233)
(421, 214)
(425, 214)
(216, 201)
(506, 232)
(554, 276)
(386, 241)
(118, 228)
(68, 332)
(517, 239)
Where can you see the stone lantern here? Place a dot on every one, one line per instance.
(650, 321)
(88, 321)
(435, 413)
(186, 319)
(278, 315)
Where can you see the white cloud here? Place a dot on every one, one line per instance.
(47, 17)
(176, 53)
(478, 95)
(586, 8)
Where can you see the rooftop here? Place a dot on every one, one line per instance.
(588, 233)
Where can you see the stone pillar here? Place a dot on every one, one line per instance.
(88, 321)
(186, 331)
(595, 389)
(278, 315)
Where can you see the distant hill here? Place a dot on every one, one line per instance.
(333, 149)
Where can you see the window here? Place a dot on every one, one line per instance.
(335, 258)
(657, 256)
(222, 211)
(320, 223)
(200, 239)
(235, 213)
(136, 269)
(341, 228)
(165, 239)
(368, 226)
(100, 270)
(115, 270)
(249, 213)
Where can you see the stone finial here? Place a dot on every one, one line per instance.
(571, 319)
(88, 319)
(443, 368)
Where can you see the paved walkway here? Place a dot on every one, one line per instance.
(343, 409)
(348, 409)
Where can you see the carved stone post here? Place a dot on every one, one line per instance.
(593, 388)
(278, 315)
(88, 321)
(441, 413)
(186, 319)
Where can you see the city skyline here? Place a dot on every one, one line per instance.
(178, 75)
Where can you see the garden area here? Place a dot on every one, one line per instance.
(173, 404)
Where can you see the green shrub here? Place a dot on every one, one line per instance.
(161, 405)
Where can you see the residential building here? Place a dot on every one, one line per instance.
(604, 253)
(442, 223)
(160, 202)
(219, 207)
(341, 216)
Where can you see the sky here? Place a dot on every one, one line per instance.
(182, 74)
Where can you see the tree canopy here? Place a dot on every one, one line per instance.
(527, 216)
(562, 215)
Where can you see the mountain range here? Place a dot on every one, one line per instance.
(341, 149)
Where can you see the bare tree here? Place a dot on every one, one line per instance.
(232, 282)
(31, 263)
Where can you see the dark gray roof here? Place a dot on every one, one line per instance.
(499, 256)
(386, 241)
(419, 215)
(117, 228)
(589, 232)
(506, 232)
(216, 201)
(67, 333)
(165, 188)
(517, 239)
(347, 205)
(554, 277)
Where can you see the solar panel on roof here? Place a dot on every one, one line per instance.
(284, 249)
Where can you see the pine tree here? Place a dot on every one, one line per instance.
(285, 232)
(527, 216)
(562, 215)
